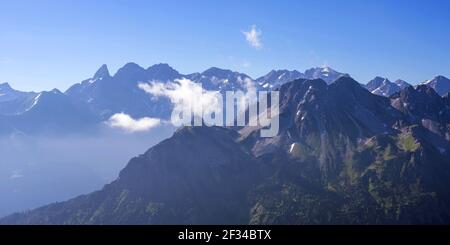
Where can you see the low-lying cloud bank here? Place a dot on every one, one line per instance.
(129, 124)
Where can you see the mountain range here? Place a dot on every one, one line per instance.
(384, 87)
(85, 105)
(96, 99)
(343, 156)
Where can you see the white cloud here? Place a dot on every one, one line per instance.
(253, 37)
(184, 92)
(129, 124)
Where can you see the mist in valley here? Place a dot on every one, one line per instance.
(38, 170)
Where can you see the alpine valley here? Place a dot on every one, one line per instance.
(346, 153)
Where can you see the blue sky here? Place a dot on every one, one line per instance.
(54, 43)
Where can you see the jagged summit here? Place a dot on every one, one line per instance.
(276, 78)
(162, 72)
(384, 87)
(325, 73)
(101, 73)
(161, 67)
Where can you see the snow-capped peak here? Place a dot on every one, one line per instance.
(325, 73)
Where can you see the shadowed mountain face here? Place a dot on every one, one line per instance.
(325, 119)
(44, 113)
(53, 112)
(13, 102)
(342, 156)
(200, 175)
(354, 158)
(106, 95)
(421, 103)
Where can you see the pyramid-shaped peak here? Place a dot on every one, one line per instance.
(102, 72)
(5, 87)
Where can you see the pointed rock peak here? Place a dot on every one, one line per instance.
(440, 77)
(5, 87)
(439, 83)
(102, 72)
(377, 82)
(56, 91)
